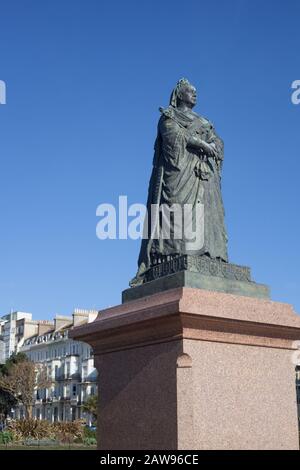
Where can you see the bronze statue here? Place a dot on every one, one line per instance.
(187, 170)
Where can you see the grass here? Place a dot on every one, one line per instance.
(60, 447)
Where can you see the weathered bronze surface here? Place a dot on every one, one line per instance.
(187, 170)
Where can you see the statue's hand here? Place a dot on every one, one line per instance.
(201, 146)
(208, 149)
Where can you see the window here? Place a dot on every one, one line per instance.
(74, 390)
(20, 330)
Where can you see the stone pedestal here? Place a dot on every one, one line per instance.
(195, 369)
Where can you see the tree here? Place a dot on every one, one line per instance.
(7, 400)
(22, 380)
(13, 359)
(91, 406)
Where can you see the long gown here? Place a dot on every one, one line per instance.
(182, 175)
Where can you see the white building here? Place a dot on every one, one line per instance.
(2, 344)
(70, 367)
(14, 328)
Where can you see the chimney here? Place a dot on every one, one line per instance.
(81, 316)
(60, 321)
(44, 326)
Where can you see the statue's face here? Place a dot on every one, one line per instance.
(188, 95)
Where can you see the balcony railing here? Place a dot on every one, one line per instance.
(65, 398)
(91, 379)
(62, 377)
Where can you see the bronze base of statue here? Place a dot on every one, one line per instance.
(199, 272)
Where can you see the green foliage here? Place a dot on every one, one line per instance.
(7, 400)
(13, 359)
(90, 441)
(6, 437)
(91, 405)
(89, 433)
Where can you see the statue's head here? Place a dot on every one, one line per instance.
(184, 93)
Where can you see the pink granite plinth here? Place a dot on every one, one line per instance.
(194, 369)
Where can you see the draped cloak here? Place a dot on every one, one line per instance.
(183, 175)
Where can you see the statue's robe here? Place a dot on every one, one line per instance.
(182, 175)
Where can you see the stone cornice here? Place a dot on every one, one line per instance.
(192, 314)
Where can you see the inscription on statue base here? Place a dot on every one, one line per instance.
(199, 264)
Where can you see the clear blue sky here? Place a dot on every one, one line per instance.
(85, 79)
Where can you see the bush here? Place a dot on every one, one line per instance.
(68, 431)
(89, 433)
(36, 430)
(6, 437)
(90, 441)
(31, 429)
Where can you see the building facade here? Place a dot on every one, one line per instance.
(14, 328)
(69, 364)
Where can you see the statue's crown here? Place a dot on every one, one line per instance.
(181, 82)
